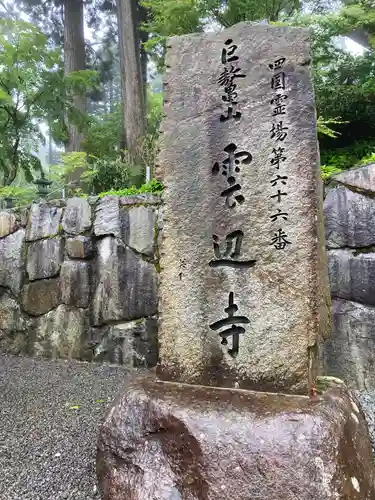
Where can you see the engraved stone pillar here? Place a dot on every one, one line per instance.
(244, 297)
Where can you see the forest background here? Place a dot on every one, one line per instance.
(81, 86)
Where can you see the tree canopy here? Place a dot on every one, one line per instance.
(93, 89)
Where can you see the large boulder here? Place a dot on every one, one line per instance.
(76, 283)
(349, 218)
(350, 352)
(125, 284)
(80, 247)
(170, 441)
(44, 258)
(139, 229)
(60, 333)
(352, 275)
(361, 179)
(107, 217)
(44, 221)
(77, 216)
(40, 297)
(12, 265)
(14, 338)
(8, 223)
(132, 344)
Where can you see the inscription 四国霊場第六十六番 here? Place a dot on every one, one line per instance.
(279, 133)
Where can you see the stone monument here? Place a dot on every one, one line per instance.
(244, 300)
(244, 297)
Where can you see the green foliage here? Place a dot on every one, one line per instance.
(104, 132)
(22, 194)
(170, 17)
(349, 156)
(154, 186)
(32, 90)
(96, 174)
(108, 173)
(103, 136)
(344, 83)
(323, 127)
(365, 160)
(327, 171)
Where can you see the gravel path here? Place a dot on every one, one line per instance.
(47, 448)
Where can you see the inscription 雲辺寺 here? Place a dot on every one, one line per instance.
(229, 257)
(230, 168)
(231, 326)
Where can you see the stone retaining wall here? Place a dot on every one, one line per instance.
(78, 279)
(350, 234)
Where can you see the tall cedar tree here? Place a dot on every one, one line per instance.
(133, 104)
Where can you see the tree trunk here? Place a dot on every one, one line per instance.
(132, 82)
(143, 37)
(74, 60)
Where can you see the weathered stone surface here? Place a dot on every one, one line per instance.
(143, 198)
(75, 280)
(11, 317)
(60, 333)
(139, 229)
(171, 441)
(352, 275)
(133, 344)
(125, 284)
(362, 178)
(107, 217)
(350, 352)
(77, 216)
(13, 326)
(44, 258)
(39, 297)
(283, 299)
(12, 266)
(8, 223)
(349, 219)
(44, 221)
(80, 247)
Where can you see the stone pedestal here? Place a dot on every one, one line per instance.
(167, 441)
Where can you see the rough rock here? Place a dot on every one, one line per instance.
(12, 266)
(107, 217)
(133, 344)
(352, 275)
(11, 317)
(349, 219)
(44, 258)
(350, 352)
(40, 297)
(125, 284)
(77, 216)
(13, 326)
(60, 333)
(8, 223)
(80, 247)
(228, 252)
(44, 221)
(139, 229)
(361, 178)
(75, 280)
(175, 441)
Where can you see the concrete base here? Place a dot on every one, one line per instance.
(166, 441)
